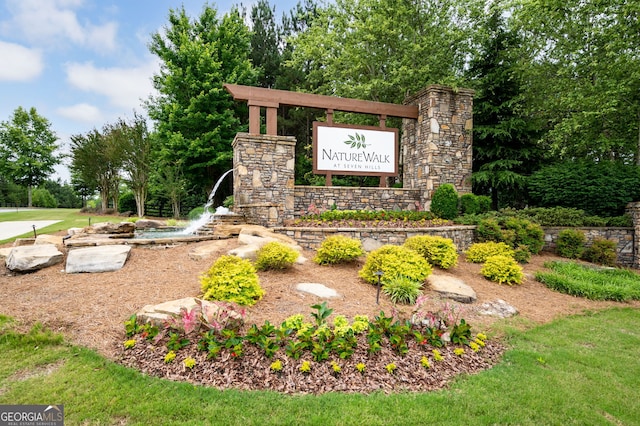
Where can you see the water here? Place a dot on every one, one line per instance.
(206, 216)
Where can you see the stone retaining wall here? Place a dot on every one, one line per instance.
(462, 236)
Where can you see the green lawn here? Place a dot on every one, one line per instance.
(580, 370)
(69, 218)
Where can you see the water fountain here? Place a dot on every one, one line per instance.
(206, 215)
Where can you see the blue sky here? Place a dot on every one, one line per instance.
(84, 63)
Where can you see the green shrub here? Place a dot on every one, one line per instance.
(41, 197)
(503, 270)
(513, 231)
(393, 261)
(338, 249)
(479, 252)
(522, 254)
(275, 255)
(401, 289)
(444, 202)
(484, 203)
(570, 243)
(621, 221)
(602, 252)
(232, 279)
(127, 203)
(469, 204)
(438, 251)
(195, 213)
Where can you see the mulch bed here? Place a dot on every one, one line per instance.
(252, 371)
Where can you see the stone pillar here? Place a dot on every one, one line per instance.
(263, 178)
(437, 147)
(633, 210)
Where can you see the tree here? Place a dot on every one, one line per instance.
(382, 50)
(505, 146)
(196, 118)
(27, 149)
(136, 144)
(265, 43)
(584, 80)
(96, 163)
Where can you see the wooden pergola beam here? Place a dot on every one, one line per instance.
(259, 96)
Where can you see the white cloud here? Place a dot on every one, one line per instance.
(50, 21)
(19, 63)
(124, 87)
(82, 112)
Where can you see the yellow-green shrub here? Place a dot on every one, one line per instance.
(479, 252)
(338, 249)
(232, 279)
(503, 270)
(394, 261)
(438, 251)
(275, 255)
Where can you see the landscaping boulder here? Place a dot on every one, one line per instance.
(32, 258)
(320, 290)
(452, 288)
(498, 308)
(148, 224)
(111, 228)
(49, 239)
(97, 259)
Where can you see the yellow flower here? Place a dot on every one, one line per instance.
(391, 367)
(129, 343)
(169, 357)
(305, 367)
(474, 346)
(425, 362)
(336, 368)
(360, 367)
(479, 342)
(481, 336)
(437, 355)
(458, 351)
(189, 362)
(276, 365)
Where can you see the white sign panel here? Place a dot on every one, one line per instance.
(354, 150)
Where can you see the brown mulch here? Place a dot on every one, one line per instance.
(89, 309)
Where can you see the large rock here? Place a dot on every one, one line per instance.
(149, 224)
(320, 290)
(452, 288)
(158, 314)
(498, 308)
(210, 312)
(208, 250)
(97, 259)
(32, 258)
(111, 228)
(49, 239)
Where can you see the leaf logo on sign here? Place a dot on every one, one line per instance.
(356, 141)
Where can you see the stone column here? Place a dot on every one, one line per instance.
(437, 147)
(633, 210)
(263, 178)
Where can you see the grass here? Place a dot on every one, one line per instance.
(592, 283)
(69, 218)
(577, 370)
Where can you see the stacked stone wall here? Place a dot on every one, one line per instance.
(623, 237)
(350, 198)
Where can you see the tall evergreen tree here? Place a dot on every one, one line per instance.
(504, 138)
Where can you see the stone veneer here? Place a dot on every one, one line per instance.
(633, 210)
(624, 238)
(437, 147)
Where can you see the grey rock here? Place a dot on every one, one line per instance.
(97, 259)
(452, 288)
(498, 308)
(370, 244)
(49, 239)
(319, 290)
(148, 224)
(32, 258)
(111, 228)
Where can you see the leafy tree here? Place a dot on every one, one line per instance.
(382, 50)
(64, 194)
(96, 163)
(134, 140)
(169, 183)
(196, 118)
(584, 79)
(505, 146)
(27, 147)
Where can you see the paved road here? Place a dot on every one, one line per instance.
(10, 229)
